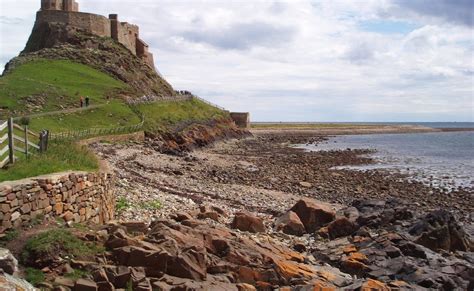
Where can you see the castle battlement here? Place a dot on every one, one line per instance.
(64, 5)
(67, 12)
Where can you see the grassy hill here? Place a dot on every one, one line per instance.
(41, 88)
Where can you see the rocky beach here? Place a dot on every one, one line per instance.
(256, 213)
(336, 229)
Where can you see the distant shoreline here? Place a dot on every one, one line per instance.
(347, 128)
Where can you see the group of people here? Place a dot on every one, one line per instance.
(86, 101)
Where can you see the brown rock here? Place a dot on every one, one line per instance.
(341, 227)
(290, 223)
(26, 208)
(135, 226)
(181, 216)
(312, 214)
(371, 284)
(85, 285)
(306, 184)
(68, 216)
(248, 222)
(209, 215)
(246, 287)
(189, 264)
(64, 282)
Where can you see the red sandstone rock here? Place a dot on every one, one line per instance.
(290, 223)
(341, 227)
(85, 285)
(312, 214)
(248, 222)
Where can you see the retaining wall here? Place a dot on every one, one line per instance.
(75, 197)
(241, 119)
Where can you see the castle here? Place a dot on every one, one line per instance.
(67, 12)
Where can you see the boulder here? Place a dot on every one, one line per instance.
(8, 282)
(8, 263)
(439, 230)
(248, 222)
(135, 226)
(312, 214)
(290, 223)
(341, 227)
(85, 285)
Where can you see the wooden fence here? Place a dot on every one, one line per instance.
(17, 139)
(92, 132)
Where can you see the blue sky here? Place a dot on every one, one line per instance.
(301, 60)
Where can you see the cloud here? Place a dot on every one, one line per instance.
(360, 53)
(455, 11)
(242, 36)
(300, 60)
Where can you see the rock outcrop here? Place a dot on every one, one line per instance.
(61, 42)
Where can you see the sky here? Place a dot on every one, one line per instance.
(300, 60)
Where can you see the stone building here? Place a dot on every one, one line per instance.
(64, 5)
(67, 12)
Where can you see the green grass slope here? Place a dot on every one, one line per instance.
(166, 115)
(55, 85)
(41, 87)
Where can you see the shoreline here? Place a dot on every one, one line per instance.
(266, 164)
(351, 129)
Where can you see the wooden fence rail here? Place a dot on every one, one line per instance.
(12, 141)
(91, 132)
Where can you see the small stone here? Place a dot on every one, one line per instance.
(306, 184)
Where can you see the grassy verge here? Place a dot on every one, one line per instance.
(113, 114)
(54, 85)
(59, 157)
(44, 248)
(163, 115)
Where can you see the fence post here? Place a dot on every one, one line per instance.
(11, 145)
(26, 141)
(44, 136)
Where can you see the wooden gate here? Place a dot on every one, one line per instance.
(15, 138)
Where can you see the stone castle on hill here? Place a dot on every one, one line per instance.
(67, 12)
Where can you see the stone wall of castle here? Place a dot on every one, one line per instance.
(96, 24)
(77, 198)
(125, 33)
(66, 11)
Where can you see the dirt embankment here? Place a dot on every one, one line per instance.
(186, 137)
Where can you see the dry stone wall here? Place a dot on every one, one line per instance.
(74, 197)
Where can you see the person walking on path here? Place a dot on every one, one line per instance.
(87, 101)
(82, 101)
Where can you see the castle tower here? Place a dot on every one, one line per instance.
(51, 4)
(70, 5)
(65, 5)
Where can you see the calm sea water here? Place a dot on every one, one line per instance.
(444, 159)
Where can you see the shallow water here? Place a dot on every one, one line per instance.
(440, 159)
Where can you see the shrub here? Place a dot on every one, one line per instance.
(34, 276)
(45, 248)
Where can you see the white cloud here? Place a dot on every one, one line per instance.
(297, 60)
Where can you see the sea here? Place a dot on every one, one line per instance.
(439, 159)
